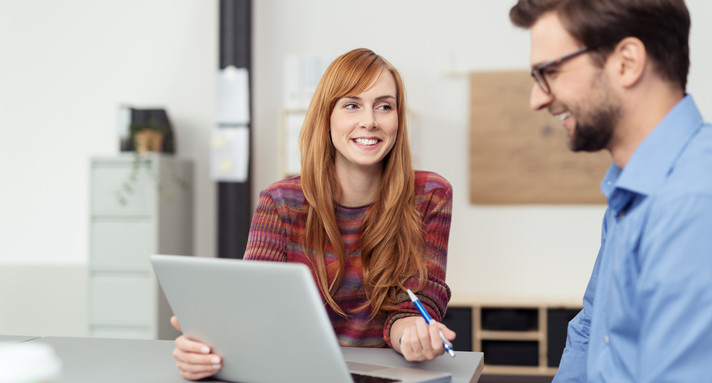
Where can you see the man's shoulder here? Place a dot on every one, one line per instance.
(690, 175)
(697, 155)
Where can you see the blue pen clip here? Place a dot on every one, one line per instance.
(426, 316)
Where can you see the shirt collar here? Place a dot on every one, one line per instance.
(651, 162)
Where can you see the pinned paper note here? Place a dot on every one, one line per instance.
(230, 154)
(232, 98)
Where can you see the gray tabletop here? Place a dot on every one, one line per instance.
(7, 340)
(126, 360)
(464, 367)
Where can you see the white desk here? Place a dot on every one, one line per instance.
(125, 360)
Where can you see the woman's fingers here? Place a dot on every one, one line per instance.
(422, 341)
(416, 345)
(174, 323)
(194, 359)
(436, 340)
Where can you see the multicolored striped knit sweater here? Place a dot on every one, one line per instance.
(275, 233)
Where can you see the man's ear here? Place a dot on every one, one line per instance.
(631, 61)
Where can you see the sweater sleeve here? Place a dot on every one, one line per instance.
(267, 238)
(435, 293)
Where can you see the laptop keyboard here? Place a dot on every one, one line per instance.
(358, 378)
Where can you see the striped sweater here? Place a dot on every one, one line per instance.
(275, 235)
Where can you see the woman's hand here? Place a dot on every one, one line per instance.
(194, 359)
(418, 341)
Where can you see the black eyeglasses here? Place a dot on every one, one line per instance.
(538, 70)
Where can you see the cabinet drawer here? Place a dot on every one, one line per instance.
(122, 244)
(122, 299)
(122, 332)
(107, 181)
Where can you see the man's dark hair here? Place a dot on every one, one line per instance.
(662, 25)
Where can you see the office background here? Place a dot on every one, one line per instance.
(67, 65)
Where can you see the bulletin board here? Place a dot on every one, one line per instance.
(521, 156)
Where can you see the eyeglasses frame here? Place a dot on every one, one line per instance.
(538, 70)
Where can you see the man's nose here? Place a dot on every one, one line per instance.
(538, 99)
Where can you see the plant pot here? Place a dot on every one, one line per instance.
(148, 141)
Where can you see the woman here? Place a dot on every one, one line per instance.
(359, 216)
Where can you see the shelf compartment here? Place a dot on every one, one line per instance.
(511, 352)
(534, 328)
(510, 319)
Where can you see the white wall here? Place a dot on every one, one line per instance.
(66, 65)
(43, 300)
(519, 251)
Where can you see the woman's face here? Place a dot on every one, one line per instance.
(364, 126)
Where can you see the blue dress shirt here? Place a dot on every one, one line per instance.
(647, 310)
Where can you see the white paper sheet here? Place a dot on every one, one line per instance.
(230, 154)
(232, 98)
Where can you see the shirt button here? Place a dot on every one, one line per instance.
(606, 339)
(608, 183)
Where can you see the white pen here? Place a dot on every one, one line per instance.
(426, 316)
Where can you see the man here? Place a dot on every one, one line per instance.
(615, 73)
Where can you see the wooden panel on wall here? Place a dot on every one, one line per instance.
(521, 156)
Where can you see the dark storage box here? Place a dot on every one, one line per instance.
(500, 319)
(513, 353)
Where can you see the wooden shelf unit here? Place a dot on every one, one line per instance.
(522, 326)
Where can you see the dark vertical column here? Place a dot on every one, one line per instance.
(235, 198)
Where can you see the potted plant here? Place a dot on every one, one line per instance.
(150, 131)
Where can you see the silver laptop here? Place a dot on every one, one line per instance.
(266, 320)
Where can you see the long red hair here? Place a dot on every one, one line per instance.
(392, 232)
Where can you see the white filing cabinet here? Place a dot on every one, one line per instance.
(138, 206)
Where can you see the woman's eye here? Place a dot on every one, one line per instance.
(350, 106)
(385, 107)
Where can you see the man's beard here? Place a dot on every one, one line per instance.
(595, 130)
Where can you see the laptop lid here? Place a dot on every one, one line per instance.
(266, 320)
